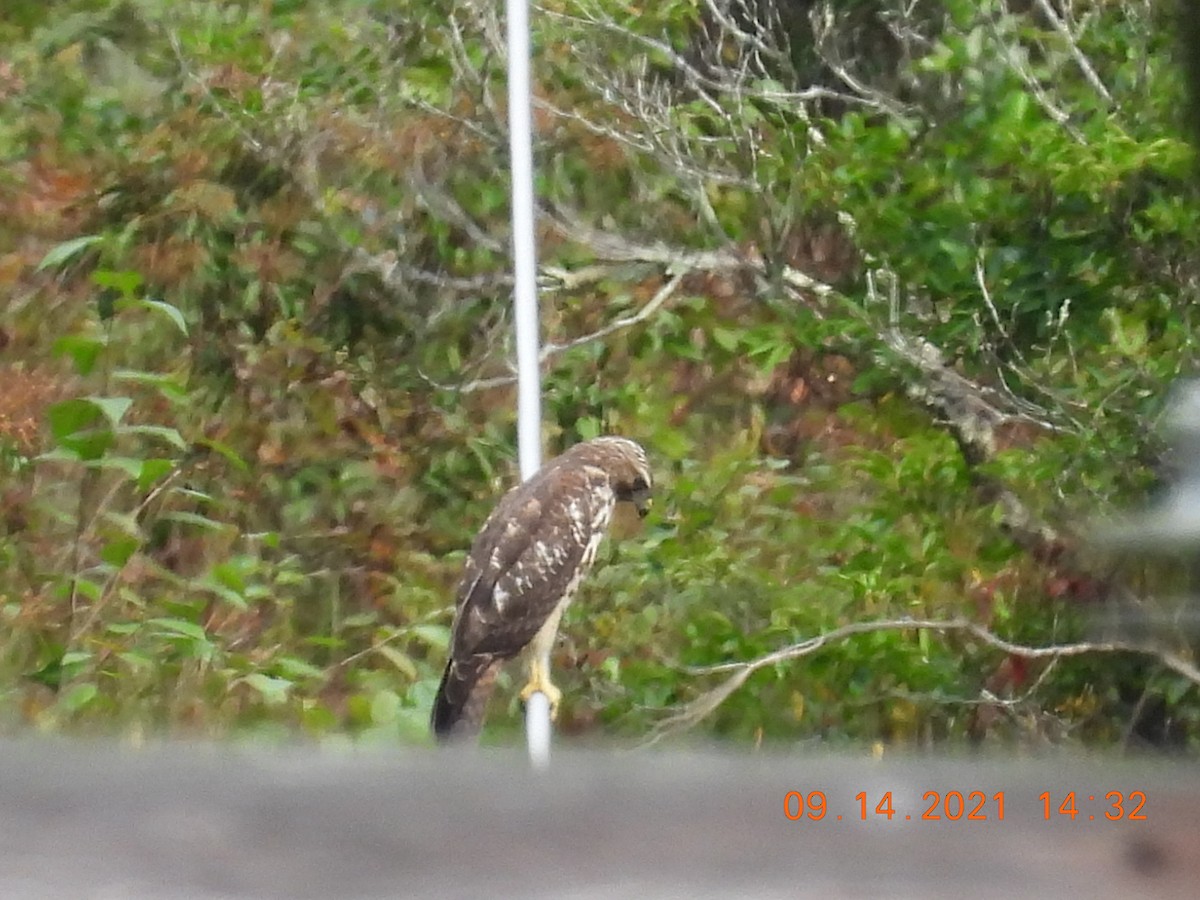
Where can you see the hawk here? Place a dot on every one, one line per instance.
(523, 569)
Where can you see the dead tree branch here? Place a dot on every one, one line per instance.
(1085, 65)
(694, 712)
(550, 350)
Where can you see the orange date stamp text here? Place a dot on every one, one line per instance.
(966, 806)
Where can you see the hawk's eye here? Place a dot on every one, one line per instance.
(639, 484)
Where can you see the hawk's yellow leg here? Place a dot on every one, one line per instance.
(538, 661)
(539, 680)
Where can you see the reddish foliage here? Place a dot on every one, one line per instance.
(822, 250)
(1062, 584)
(49, 198)
(171, 261)
(25, 397)
(804, 396)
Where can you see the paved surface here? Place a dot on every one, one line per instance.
(197, 822)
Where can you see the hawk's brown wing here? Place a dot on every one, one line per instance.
(522, 564)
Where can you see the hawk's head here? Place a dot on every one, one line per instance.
(625, 462)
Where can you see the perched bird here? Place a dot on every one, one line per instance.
(524, 567)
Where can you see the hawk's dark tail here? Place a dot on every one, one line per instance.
(462, 697)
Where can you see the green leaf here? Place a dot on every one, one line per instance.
(226, 451)
(292, 667)
(726, 338)
(274, 690)
(1177, 688)
(412, 723)
(77, 697)
(974, 43)
(124, 283)
(192, 494)
(162, 432)
(230, 596)
(167, 384)
(229, 574)
(117, 551)
(400, 660)
(130, 467)
(1128, 332)
(189, 518)
(180, 627)
(153, 470)
(113, 408)
(169, 311)
(385, 706)
(50, 674)
(67, 251)
(73, 423)
(70, 417)
(78, 424)
(436, 637)
(88, 588)
(588, 427)
(138, 662)
(84, 350)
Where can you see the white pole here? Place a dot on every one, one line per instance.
(529, 390)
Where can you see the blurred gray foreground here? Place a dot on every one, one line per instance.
(97, 821)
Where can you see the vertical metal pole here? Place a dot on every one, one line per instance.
(529, 390)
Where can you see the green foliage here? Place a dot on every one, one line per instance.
(254, 307)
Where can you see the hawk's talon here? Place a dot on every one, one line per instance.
(539, 683)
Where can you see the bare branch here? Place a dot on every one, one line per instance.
(556, 278)
(701, 82)
(488, 281)
(1030, 410)
(1014, 57)
(703, 706)
(823, 21)
(549, 351)
(730, 27)
(633, 141)
(1085, 65)
(730, 74)
(660, 297)
(445, 207)
(612, 247)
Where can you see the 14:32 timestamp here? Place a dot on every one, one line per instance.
(1118, 805)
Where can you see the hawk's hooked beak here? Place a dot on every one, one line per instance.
(642, 501)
